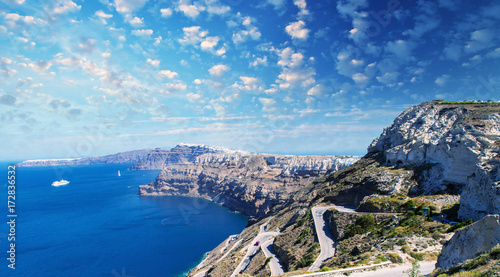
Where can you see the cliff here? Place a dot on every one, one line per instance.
(119, 158)
(432, 155)
(459, 147)
(246, 182)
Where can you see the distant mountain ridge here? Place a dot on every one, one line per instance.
(133, 156)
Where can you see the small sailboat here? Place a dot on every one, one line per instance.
(119, 173)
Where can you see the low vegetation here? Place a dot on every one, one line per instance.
(484, 265)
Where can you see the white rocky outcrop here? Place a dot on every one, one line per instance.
(459, 143)
(470, 241)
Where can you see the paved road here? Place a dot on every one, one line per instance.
(397, 271)
(201, 273)
(274, 263)
(325, 237)
(252, 249)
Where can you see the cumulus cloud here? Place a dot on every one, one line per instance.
(259, 61)
(166, 12)
(278, 4)
(40, 66)
(242, 35)
(302, 5)
(317, 90)
(135, 21)
(103, 16)
(297, 30)
(268, 104)
(191, 11)
(168, 74)
(142, 32)
(128, 6)
(154, 63)
(294, 71)
(479, 40)
(193, 97)
(195, 36)
(218, 70)
(64, 7)
(349, 8)
(248, 84)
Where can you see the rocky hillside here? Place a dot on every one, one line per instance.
(438, 156)
(119, 158)
(246, 182)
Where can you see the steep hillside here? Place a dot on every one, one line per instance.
(437, 161)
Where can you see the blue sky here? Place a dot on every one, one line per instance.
(86, 78)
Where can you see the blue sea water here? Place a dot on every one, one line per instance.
(97, 225)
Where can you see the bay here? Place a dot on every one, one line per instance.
(97, 225)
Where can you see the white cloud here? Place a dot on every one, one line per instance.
(259, 61)
(249, 84)
(136, 21)
(242, 35)
(441, 81)
(209, 43)
(350, 7)
(302, 5)
(168, 74)
(217, 9)
(66, 7)
(175, 87)
(158, 40)
(297, 30)
(142, 32)
(268, 104)
(40, 66)
(154, 63)
(480, 39)
(388, 78)
(294, 72)
(193, 97)
(128, 6)
(218, 70)
(401, 49)
(317, 90)
(359, 77)
(191, 11)
(102, 14)
(166, 12)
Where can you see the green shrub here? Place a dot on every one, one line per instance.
(395, 258)
(405, 249)
(417, 256)
(363, 224)
(495, 252)
(459, 225)
(304, 218)
(437, 235)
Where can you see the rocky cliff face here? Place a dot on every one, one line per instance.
(457, 147)
(470, 241)
(246, 182)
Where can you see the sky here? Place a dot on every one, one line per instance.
(88, 78)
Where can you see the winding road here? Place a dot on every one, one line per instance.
(274, 263)
(252, 248)
(325, 237)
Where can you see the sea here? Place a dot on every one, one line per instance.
(98, 225)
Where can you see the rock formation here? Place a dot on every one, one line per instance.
(246, 182)
(470, 241)
(457, 147)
